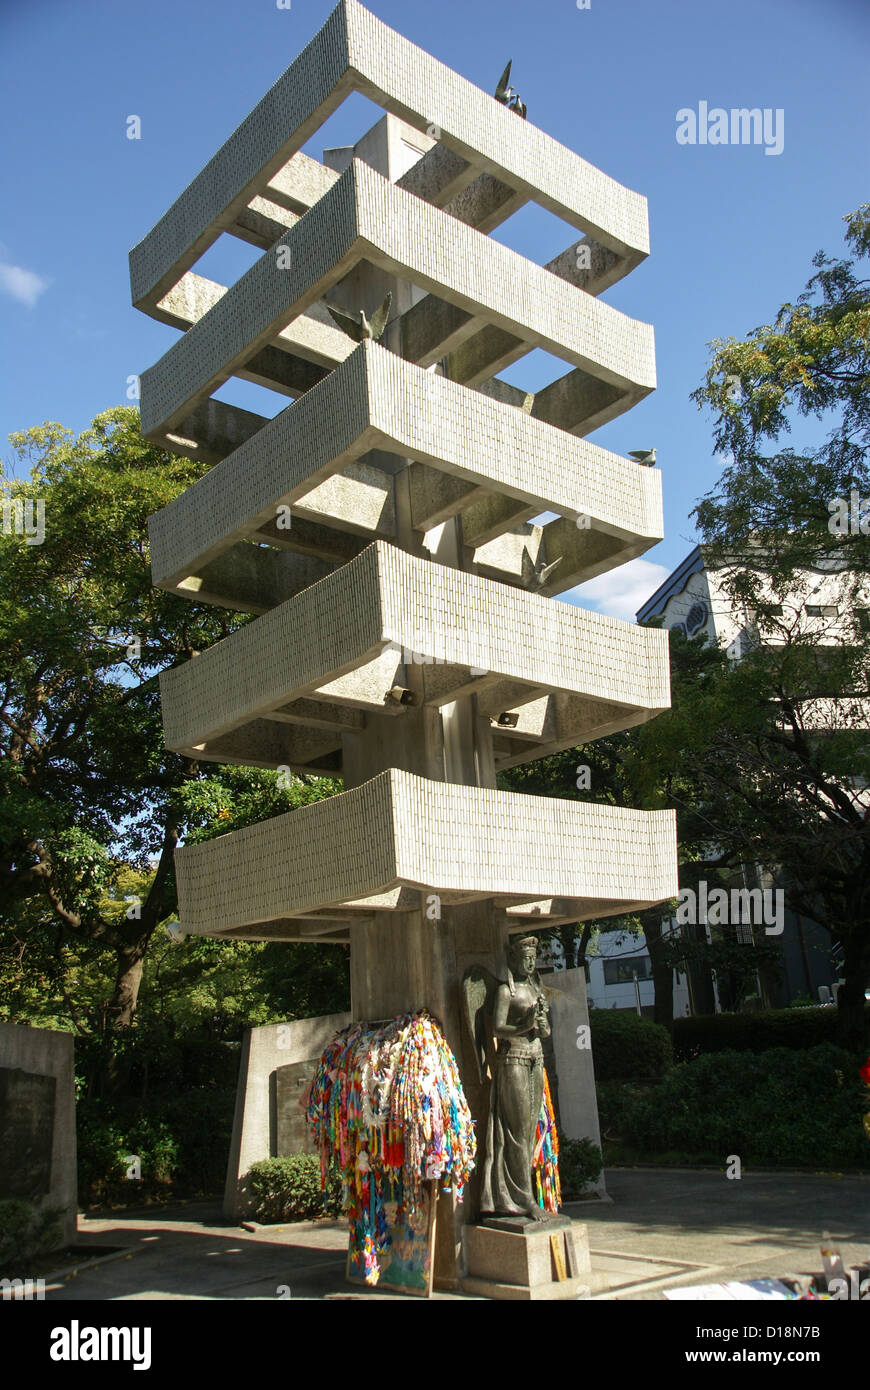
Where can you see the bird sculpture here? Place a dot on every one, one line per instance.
(504, 91)
(645, 456)
(535, 575)
(362, 328)
(506, 94)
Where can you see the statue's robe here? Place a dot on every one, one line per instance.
(515, 1104)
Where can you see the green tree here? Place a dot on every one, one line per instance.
(777, 746)
(91, 804)
(768, 518)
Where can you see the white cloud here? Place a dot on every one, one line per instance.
(24, 285)
(620, 592)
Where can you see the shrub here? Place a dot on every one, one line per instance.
(754, 1032)
(780, 1107)
(616, 1100)
(288, 1189)
(580, 1164)
(182, 1142)
(628, 1048)
(27, 1232)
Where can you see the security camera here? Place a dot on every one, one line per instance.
(400, 695)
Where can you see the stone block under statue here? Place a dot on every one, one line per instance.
(526, 1260)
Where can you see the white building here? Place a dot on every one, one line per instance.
(825, 605)
(693, 599)
(619, 973)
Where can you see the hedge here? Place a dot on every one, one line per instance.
(754, 1032)
(628, 1048)
(616, 1099)
(151, 1057)
(288, 1189)
(779, 1107)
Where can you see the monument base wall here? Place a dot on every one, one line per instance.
(575, 1071)
(276, 1059)
(37, 1121)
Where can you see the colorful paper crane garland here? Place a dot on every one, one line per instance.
(387, 1110)
(545, 1162)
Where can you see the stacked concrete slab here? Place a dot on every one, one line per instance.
(400, 527)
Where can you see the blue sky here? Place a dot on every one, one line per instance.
(733, 229)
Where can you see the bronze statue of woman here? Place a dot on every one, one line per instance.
(519, 1021)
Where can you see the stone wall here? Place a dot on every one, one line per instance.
(37, 1120)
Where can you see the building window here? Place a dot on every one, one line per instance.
(822, 610)
(862, 619)
(622, 972)
(696, 618)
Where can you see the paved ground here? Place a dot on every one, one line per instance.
(663, 1228)
(762, 1225)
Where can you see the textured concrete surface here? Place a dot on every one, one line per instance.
(575, 1069)
(365, 217)
(663, 1229)
(523, 1257)
(47, 1052)
(358, 850)
(351, 636)
(463, 442)
(355, 51)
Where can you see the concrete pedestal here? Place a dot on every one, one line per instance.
(528, 1261)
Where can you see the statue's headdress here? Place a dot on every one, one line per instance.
(515, 946)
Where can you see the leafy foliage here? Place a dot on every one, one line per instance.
(27, 1232)
(181, 1140)
(91, 804)
(580, 1164)
(626, 1047)
(767, 759)
(813, 361)
(288, 1189)
(779, 1108)
(754, 1032)
(616, 1100)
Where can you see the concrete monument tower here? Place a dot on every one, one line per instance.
(383, 527)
